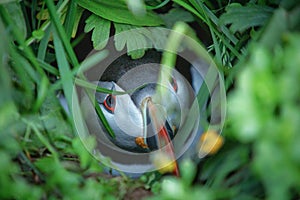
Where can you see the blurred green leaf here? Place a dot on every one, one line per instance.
(275, 28)
(84, 154)
(268, 114)
(8, 109)
(15, 11)
(258, 87)
(188, 171)
(12, 186)
(57, 176)
(58, 129)
(215, 170)
(294, 19)
(173, 188)
(288, 4)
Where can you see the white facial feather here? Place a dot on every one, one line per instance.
(127, 116)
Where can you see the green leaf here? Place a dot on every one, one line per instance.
(139, 39)
(79, 11)
(15, 11)
(64, 181)
(61, 33)
(70, 17)
(173, 188)
(55, 124)
(135, 40)
(243, 17)
(188, 171)
(101, 30)
(274, 30)
(64, 70)
(80, 147)
(117, 11)
(158, 36)
(176, 14)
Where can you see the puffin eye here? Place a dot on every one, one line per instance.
(110, 103)
(174, 84)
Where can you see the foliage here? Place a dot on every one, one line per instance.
(271, 118)
(108, 10)
(137, 42)
(255, 44)
(244, 17)
(101, 30)
(262, 144)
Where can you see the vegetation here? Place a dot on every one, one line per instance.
(255, 44)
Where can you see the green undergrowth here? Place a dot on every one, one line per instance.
(254, 44)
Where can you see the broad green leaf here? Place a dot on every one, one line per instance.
(117, 11)
(243, 17)
(101, 30)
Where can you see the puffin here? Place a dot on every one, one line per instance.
(145, 121)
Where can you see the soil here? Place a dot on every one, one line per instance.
(137, 194)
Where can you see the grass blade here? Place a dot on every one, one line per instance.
(62, 33)
(64, 70)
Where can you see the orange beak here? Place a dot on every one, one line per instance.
(164, 141)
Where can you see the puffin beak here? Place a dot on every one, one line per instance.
(163, 132)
